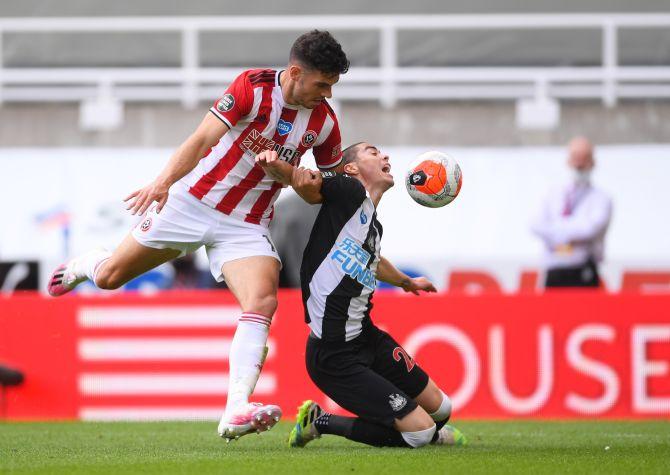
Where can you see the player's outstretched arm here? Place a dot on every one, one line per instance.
(390, 274)
(306, 183)
(187, 156)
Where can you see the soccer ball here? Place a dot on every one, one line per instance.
(433, 179)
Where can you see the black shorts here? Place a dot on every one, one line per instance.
(370, 376)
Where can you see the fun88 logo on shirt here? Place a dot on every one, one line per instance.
(353, 259)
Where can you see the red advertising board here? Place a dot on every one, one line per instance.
(557, 355)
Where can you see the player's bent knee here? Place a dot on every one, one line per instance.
(419, 438)
(417, 420)
(264, 305)
(430, 398)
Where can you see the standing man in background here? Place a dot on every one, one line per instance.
(572, 224)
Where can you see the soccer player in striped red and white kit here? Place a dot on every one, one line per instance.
(212, 193)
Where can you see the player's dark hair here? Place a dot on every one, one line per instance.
(349, 153)
(320, 51)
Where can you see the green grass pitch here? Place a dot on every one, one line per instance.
(193, 448)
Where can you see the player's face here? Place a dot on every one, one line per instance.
(312, 87)
(374, 166)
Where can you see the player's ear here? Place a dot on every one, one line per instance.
(351, 168)
(294, 71)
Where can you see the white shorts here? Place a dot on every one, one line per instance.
(185, 224)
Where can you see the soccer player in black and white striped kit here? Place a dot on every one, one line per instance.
(359, 366)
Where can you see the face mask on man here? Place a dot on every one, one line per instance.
(580, 177)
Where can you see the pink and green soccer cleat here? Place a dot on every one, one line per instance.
(304, 430)
(254, 417)
(63, 280)
(449, 435)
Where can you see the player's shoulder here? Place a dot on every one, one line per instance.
(260, 77)
(342, 181)
(328, 109)
(339, 177)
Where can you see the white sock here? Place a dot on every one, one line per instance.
(419, 438)
(87, 265)
(247, 354)
(444, 411)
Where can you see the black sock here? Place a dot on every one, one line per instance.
(359, 430)
(439, 425)
(376, 434)
(328, 423)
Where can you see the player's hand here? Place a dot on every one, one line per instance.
(267, 158)
(306, 179)
(140, 200)
(307, 184)
(417, 284)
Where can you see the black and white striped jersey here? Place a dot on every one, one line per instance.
(340, 261)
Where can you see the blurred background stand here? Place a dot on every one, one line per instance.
(290, 233)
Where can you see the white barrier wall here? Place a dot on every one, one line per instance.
(486, 227)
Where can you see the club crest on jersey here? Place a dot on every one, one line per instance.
(284, 127)
(308, 138)
(254, 143)
(397, 402)
(226, 103)
(363, 217)
(146, 225)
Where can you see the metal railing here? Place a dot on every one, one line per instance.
(387, 83)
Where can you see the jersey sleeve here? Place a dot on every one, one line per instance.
(236, 102)
(328, 154)
(338, 188)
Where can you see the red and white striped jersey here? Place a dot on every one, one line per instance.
(253, 108)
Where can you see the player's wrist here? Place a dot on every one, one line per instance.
(163, 182)
(405, 283)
